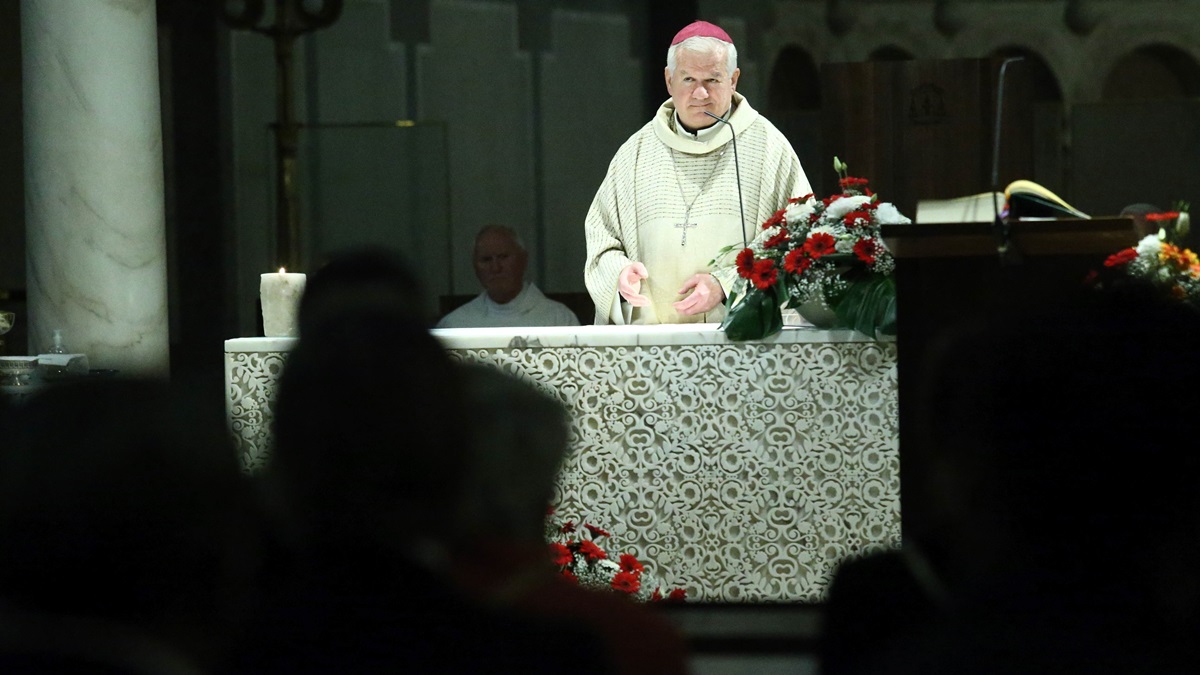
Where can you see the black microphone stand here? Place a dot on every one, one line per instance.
(1009, 255)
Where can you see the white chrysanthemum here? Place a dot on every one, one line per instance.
(839, 208)
(825, 229)
(887, 213)
(1149, 246)
(799, 212)
(608, 566)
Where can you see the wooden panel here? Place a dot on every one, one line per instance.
(924, 129)
(948, 273)
(1067, 236)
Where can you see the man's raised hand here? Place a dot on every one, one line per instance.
(629, 284)
(705, 294)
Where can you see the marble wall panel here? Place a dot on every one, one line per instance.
(367, 179)
(473, 77)
(591, 92)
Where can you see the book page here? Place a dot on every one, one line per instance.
(980, 208)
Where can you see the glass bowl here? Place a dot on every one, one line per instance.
(17, 370)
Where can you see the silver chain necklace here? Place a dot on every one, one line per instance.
(687, 213)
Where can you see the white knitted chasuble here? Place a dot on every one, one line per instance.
(641, 211)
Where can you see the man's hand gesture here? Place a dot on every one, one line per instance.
(629, 284)
(706, 294)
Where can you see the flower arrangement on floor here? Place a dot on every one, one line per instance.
(823, 257)
(1159, 260)
(577, 555)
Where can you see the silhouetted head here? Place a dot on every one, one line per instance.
(367, 431)
(362, 278)
(517, 444)
(1139, 212)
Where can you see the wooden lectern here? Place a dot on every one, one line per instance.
(950, 272)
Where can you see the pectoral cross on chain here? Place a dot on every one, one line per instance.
(684, 227)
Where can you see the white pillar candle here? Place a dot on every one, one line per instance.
(280, 295)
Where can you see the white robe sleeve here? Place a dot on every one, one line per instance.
(606, 247)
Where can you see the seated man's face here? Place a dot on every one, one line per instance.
(500, 266)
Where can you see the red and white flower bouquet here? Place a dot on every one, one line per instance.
(823, 257)
(575, 551)
(1159, 261)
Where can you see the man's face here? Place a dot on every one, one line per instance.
(500, 266)
(700, 84)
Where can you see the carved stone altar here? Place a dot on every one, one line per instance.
(743, 472)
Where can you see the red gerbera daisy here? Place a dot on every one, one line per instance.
(591, 551)
(796, 261)
(1121, 257)
(865, 249)
(764, 274)
(630, 563)
(775, 219)
(776, 239)
(745, 263)
(853, 218)
(1168, 215)
(627, 582)
(819, 244)
(560, 555)
(596, 532)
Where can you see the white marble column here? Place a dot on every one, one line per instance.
(96, 253)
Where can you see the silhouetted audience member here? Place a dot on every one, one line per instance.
(128, 532)
(519, 439)
(366, 276)
(1138, 213)
(1066, 476)
(368, 463)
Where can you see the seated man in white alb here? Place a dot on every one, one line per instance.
(507, 299)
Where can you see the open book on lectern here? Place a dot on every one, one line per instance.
(1022, 199)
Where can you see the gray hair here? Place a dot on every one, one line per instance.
(701, 44)
(501, 229)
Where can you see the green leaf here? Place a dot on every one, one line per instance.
(869, 304)
(755, 317)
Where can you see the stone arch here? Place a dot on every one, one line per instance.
(1050, 158)
(1154, 71)
(794, 104)
(795, 82)
(1045, 86)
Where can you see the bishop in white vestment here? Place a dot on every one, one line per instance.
(669, 202)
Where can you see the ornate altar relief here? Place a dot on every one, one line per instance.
(739, 472)
(743, 472)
